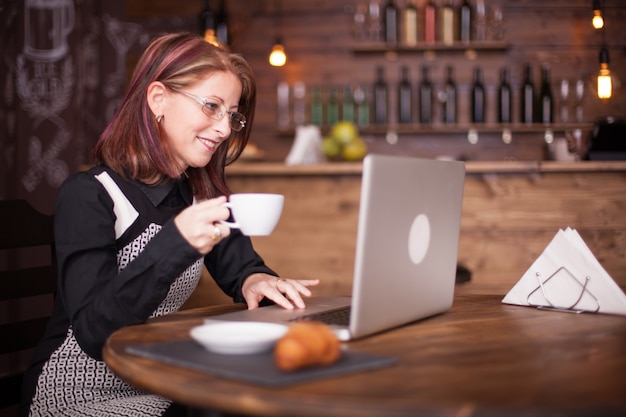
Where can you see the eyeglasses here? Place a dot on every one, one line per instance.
(212, 109)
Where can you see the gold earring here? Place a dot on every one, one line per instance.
(159, 118)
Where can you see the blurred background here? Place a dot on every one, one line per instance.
(65, 65)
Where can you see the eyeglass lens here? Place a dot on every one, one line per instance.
(237, 120)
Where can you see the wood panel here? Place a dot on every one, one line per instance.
(508, 219)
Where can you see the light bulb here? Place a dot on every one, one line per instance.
(209, 36)
(277, 57)
(597, 21)
(605, 84)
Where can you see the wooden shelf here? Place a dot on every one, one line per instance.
(473, 47)
(441, 129)
(479, 128)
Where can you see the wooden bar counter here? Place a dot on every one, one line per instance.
(511, 211)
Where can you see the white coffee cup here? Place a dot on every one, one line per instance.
(255, 214)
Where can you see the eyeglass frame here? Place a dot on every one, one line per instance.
(236, 125)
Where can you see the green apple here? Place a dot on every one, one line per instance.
(355, 150)
(344, 132)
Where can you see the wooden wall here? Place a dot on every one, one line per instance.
(318, 39)
(507, 221)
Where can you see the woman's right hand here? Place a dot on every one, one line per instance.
(200, 224)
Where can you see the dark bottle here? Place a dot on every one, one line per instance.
(450, 101)
(425, 96)
(207, 24)
(317, 107)
(380, 97)
(405, 98)
(546, 102)
(347, 105)
(465, 22)
(527, 97)
(478, 97)
(430, 22)
(505, 98)
(332, 106)
(391, 22)
(221, 25)
(361, 100)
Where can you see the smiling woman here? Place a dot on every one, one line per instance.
(133, 232)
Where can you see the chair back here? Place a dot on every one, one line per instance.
(28, 278)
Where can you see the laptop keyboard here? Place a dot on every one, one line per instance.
(339, 317)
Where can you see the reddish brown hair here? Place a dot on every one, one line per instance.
(132, 145)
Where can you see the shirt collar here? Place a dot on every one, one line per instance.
(157, 193)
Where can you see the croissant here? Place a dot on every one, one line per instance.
(306, 344)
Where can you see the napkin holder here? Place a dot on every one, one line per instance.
(564, 274)
(568, 277)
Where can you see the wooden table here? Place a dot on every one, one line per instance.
(482, 358)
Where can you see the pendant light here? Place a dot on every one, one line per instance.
(605, 83)
(597, 20)
(278, 57)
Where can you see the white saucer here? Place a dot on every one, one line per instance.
(238, 338)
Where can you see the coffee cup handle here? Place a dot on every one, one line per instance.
(232, 225)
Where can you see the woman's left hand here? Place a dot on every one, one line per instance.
(287, 293)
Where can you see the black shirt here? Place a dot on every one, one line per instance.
(95, 296)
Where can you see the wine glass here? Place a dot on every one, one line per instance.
(563, 95)
(579, 94)
(496, 24)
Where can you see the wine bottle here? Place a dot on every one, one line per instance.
(546, 101)
(527, 97)
(391, 22)
(221, 25)
(380, 97)
(425, 98)
(299, 103)
(347, 105)
(207, 24)
(430, 22)
(405, 97)
(317, 106)
(478, 97)
(362, 106)
(409, 24)
(450, 101)
(480, 21)
(465, 22)
(332, 106)
(282, 99)
(446, 14)
(505, 98)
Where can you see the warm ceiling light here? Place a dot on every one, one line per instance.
(604, 81)
(277, 57)
(597, 21)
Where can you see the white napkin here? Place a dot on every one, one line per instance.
(571, 278)
(307, 147)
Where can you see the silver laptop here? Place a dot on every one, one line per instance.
(406, 252)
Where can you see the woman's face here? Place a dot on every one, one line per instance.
(192, 135)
